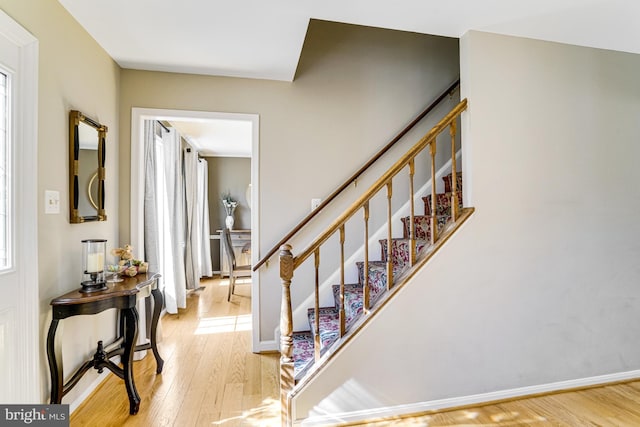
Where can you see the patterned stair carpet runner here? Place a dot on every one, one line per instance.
(303, 347)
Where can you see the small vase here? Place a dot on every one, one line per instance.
(229, 222)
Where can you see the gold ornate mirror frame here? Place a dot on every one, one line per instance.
(86, 158)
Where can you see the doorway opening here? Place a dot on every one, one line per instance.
(182, 119)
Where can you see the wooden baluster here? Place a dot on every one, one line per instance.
(389, 238)
(365, 285)
(287, 380)
(316, 337)
(342, 309)
(412, 231)
(454, 176)
(434, 200)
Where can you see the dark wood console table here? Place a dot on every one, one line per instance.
(122, 296)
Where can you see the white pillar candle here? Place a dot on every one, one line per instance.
(95, 262)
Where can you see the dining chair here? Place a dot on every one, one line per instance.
(234, 269)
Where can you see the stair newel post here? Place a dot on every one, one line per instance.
(287, 380)
(316, 308)
(412, 225)
(434, 199)
(454, 175)
(342, 310)
(365, 281)
(389, 237)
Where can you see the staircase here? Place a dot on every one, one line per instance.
(304, 353)
(329, 324)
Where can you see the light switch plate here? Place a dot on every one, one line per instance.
(51, 202)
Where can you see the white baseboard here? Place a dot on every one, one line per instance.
(87, 391)
(267, 346)
(463, 401)
(92, 386)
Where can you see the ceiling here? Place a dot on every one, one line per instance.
(217, 137)
(263, 39)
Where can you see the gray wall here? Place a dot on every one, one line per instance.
(227, 175)
(74, 74)
(355, 88)
(541, 284)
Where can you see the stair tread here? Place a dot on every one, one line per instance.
(324, 311)
(406, 218)
(400, 239)
(349, 288)
(373, 263)
(444, 193)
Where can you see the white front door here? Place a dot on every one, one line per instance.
(19, 349)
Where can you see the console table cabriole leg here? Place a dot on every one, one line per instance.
(157, 307)
(54, 354)
(131, 335)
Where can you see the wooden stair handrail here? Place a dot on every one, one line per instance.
(356, 175)
(381, 182)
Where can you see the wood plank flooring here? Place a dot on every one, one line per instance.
(616, 405)
(211, 378)
(210, 375)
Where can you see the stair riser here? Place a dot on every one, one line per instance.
(444, 203)
(377, 277)
(329, 325)
(353, 302)
(448, 181)
(401, 252)
(422, 226)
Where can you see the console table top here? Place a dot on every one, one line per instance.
(129, 286)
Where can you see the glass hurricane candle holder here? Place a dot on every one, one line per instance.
(94, 253)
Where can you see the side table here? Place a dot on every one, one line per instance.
(122, 296)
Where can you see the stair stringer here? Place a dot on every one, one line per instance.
(300, 319)
(330, 358)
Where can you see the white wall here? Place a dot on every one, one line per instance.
(541, 284)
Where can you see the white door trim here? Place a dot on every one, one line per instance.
(26, 155)
(138, 116)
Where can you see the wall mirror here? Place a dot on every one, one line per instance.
(86, 168)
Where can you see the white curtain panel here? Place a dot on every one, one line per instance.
(193, 232)
(151, 235)
(150, 206)
(176, 215)
(164, 212)
(174, 223)
(206, 268)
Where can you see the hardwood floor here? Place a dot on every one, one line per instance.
(210, 375)
(616, 405)
(211, 378)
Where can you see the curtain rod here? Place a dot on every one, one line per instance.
(161, 124)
